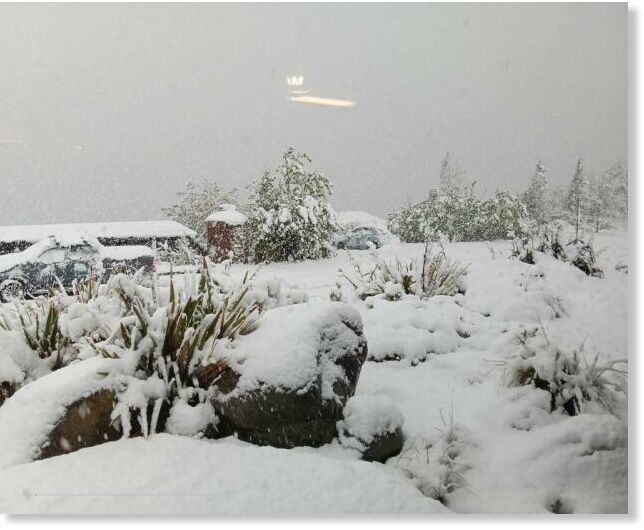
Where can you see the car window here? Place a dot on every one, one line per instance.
(54, 255)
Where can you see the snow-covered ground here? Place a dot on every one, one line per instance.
(473, 441)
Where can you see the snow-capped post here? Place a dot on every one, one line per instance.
(224, 228)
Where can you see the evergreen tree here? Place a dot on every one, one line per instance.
(290, 215)
(450, 176)
(536, 196)
(576, 198)
(615, 182)
(599, 201)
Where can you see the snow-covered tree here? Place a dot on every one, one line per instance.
(450, 176)
(535, 197)
(608, 199)
(196, 202)
(598, 203)
(577, 198)
(290, 215)
(503, 216)
(615, 181)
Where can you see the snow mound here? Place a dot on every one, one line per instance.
(369, 416)
(411, 328)
(188, 420)
(228, 214)
(173, 474)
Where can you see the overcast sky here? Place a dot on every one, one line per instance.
(107, 110)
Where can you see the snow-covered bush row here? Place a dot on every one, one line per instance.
(453, 211)
(433, 275)
(457, 214)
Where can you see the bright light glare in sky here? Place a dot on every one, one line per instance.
(323, 101)
(299, 94)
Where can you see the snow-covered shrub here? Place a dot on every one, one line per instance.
(504, 216)
(195, 203)
(584, 259)
(290, 215)
(410, 224)
(31, 343)
(575, 384)
(459, 215)
(548, 239)
(272, 293)
(171, 333)
(173, 344)
(521, 249)
(183, 252)
(433, 275)
(39, 324)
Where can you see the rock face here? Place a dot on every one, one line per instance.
(383, 447)
(286, 385)
(85, 423)
(372, 425)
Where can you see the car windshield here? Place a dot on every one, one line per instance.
(364, 230)
(54, 255)
(79, 252)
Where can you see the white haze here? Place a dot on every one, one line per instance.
(107, 110)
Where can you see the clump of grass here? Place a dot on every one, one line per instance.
(86, 289)
(7, 389)
(435, 464)
(433, 275)
(176, 343)
(547, 240)
(573, 382)
(39, 325)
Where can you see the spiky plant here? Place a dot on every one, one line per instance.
(183, 354)
(434, 275)
(439, 275)
(572, 381)
(39, 324)
(86, 289)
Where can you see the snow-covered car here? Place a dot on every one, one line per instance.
(51, 261)
(362, 238)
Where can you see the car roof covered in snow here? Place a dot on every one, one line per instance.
(358, 218)
(32, 253)
(118, 229)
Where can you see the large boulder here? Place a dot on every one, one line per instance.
(287, 382)
(60, 412)
(86, 422)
